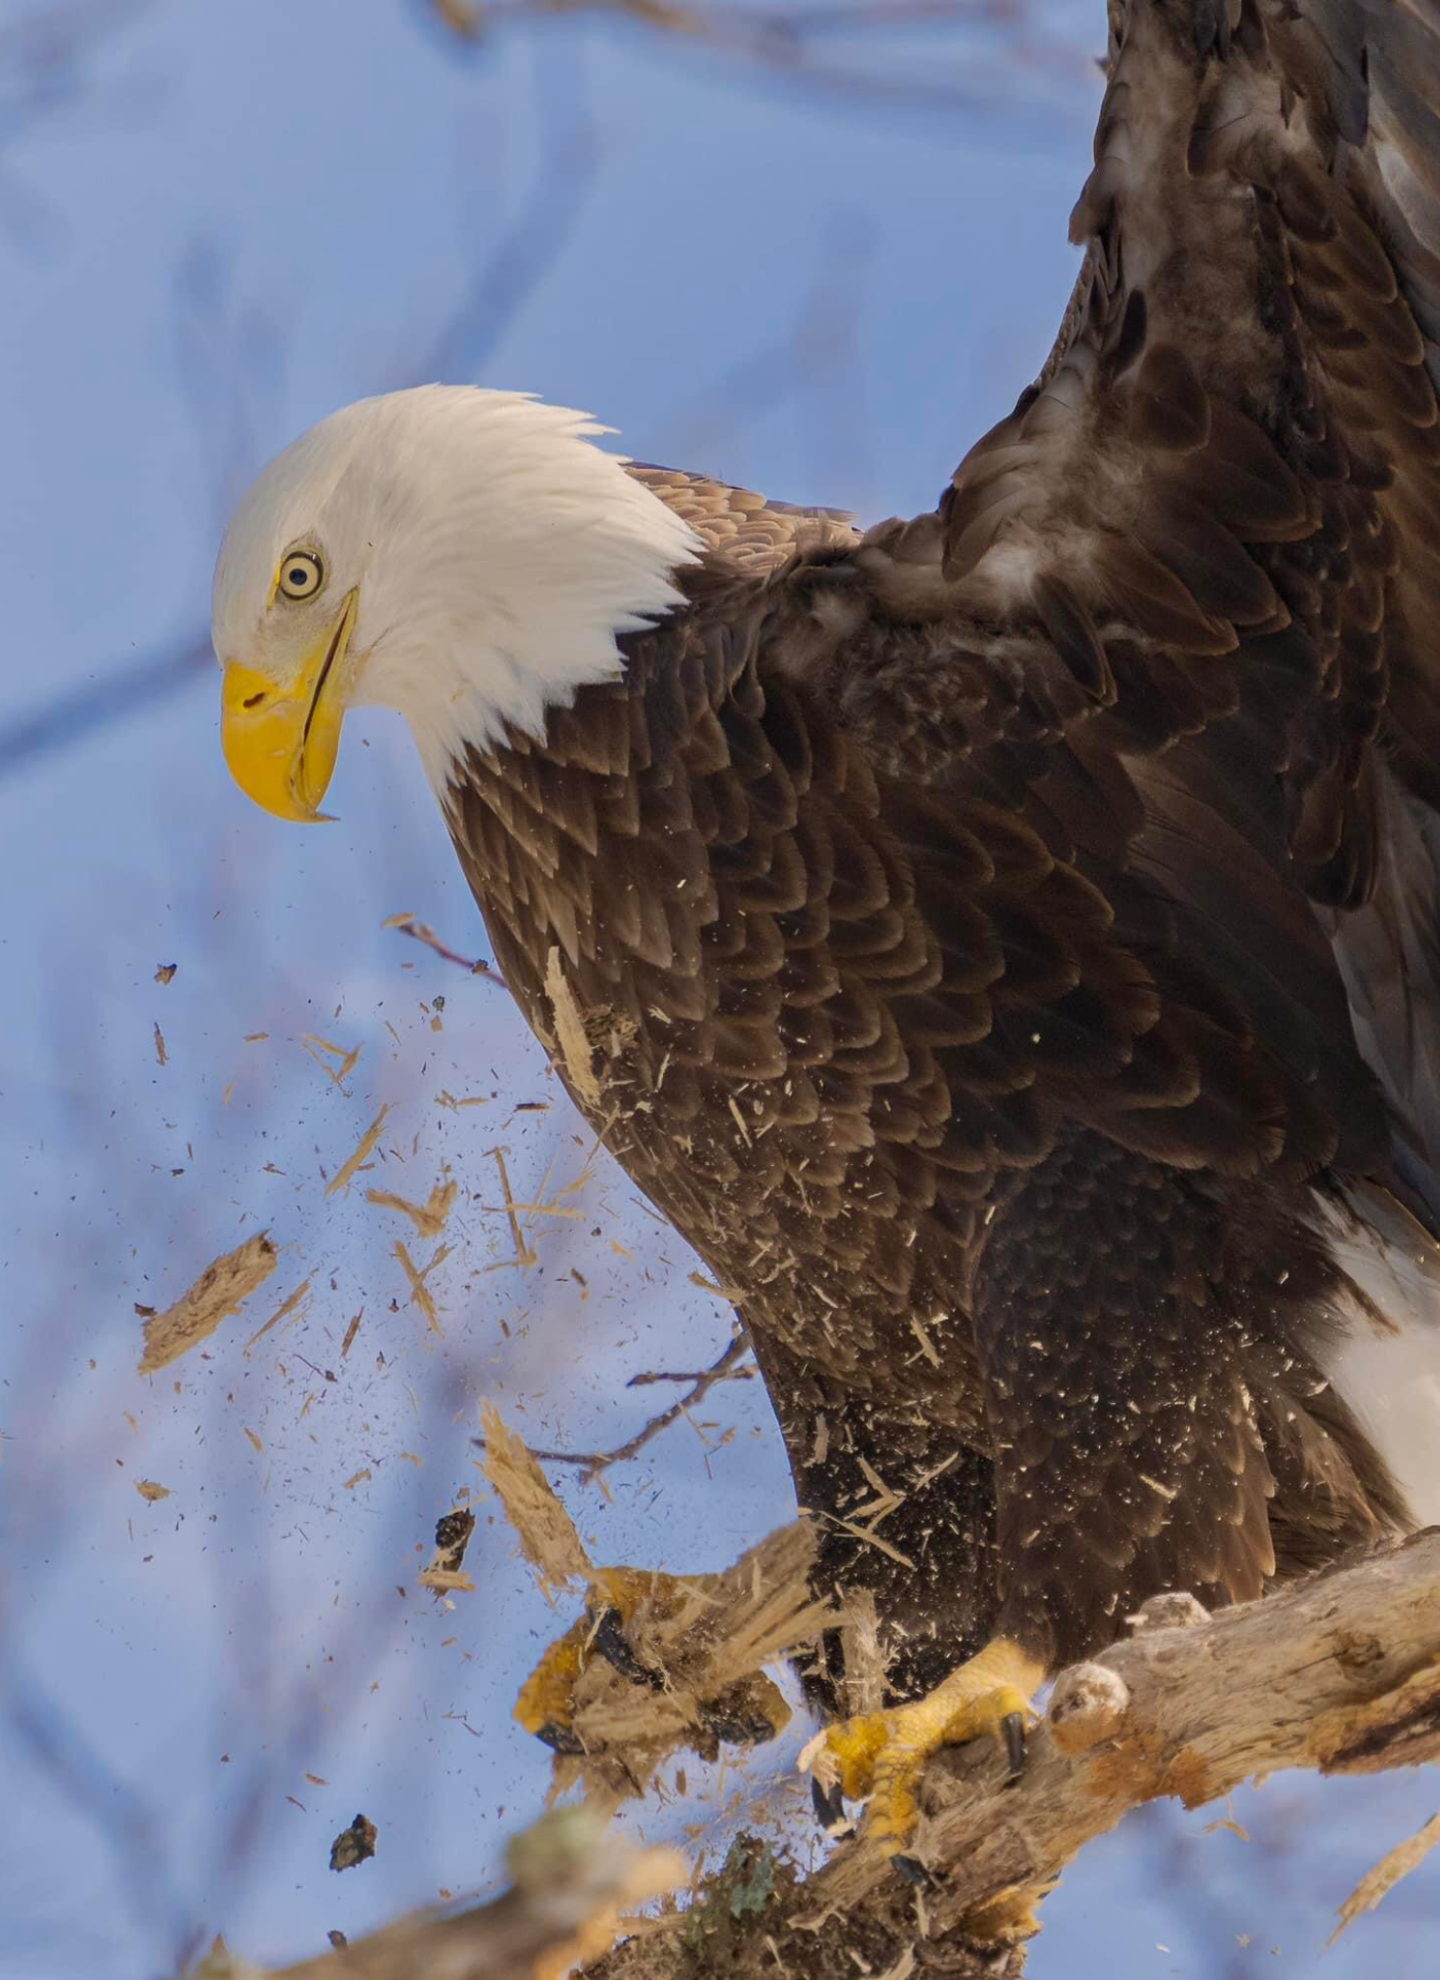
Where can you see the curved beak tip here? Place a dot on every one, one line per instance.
(281, 738)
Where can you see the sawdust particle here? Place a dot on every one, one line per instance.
(280, 1313)
(315, 1045)
(429, 1218)
(575, 1048)
(420, 1294)
(731, 1294)
(445, 1581)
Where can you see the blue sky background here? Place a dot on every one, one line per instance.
(218, 222)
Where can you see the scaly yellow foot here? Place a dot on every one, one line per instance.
(883, 1754)
(744, 1711)
(546, 1705)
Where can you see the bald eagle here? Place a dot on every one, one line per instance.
(1014, 932)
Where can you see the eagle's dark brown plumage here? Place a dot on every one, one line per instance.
(1012, 933)
(1005, 943)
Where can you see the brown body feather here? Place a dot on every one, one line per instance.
(1008, 917)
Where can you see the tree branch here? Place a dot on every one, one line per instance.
(421, 931)
(593, 1463)
(1340, 1674)
(788, 41)
(569, 1877)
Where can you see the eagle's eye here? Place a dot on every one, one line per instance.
(301, 574)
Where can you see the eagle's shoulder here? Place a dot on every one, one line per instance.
(745, 535)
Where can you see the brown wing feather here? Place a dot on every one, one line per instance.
(1208, 542)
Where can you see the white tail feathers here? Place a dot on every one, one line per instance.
(1386, 1364)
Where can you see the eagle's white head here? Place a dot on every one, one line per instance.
(466, 557)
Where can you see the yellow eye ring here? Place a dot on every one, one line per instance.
(301, 574)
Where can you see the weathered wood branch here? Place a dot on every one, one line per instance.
(1340, 1674)
(570, 1879)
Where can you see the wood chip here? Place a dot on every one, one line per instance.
(161, 1055)
(524, 1255)
(350, 1332)
(1386, 1875)
(546, 1532)
(148, 1489)
(315, 1045)
(429, 1218)
(419, 1292)
(732, 1294)
(575, 1048)
(165, 972)
(348, 1169)
(446, 1581)
(253, 1438)
(281, 1312)
(356, 1478)
(220, 1291)
(453, 1533)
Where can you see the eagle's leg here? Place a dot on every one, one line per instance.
(882, 1755)
(1118, 1315)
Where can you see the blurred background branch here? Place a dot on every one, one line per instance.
(46, 58)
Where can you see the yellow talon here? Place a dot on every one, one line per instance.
(883, 1754)
(546, 1705)
(740, 1710)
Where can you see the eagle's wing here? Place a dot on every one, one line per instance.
(1093, 811)
(1180, 609)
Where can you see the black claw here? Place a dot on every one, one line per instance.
(913, 1871)
(615, 1647)
(1013, 1727)
(563, 1739)
(736, 1728)
(829, 1805)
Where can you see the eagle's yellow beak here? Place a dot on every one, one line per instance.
(281, 739)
